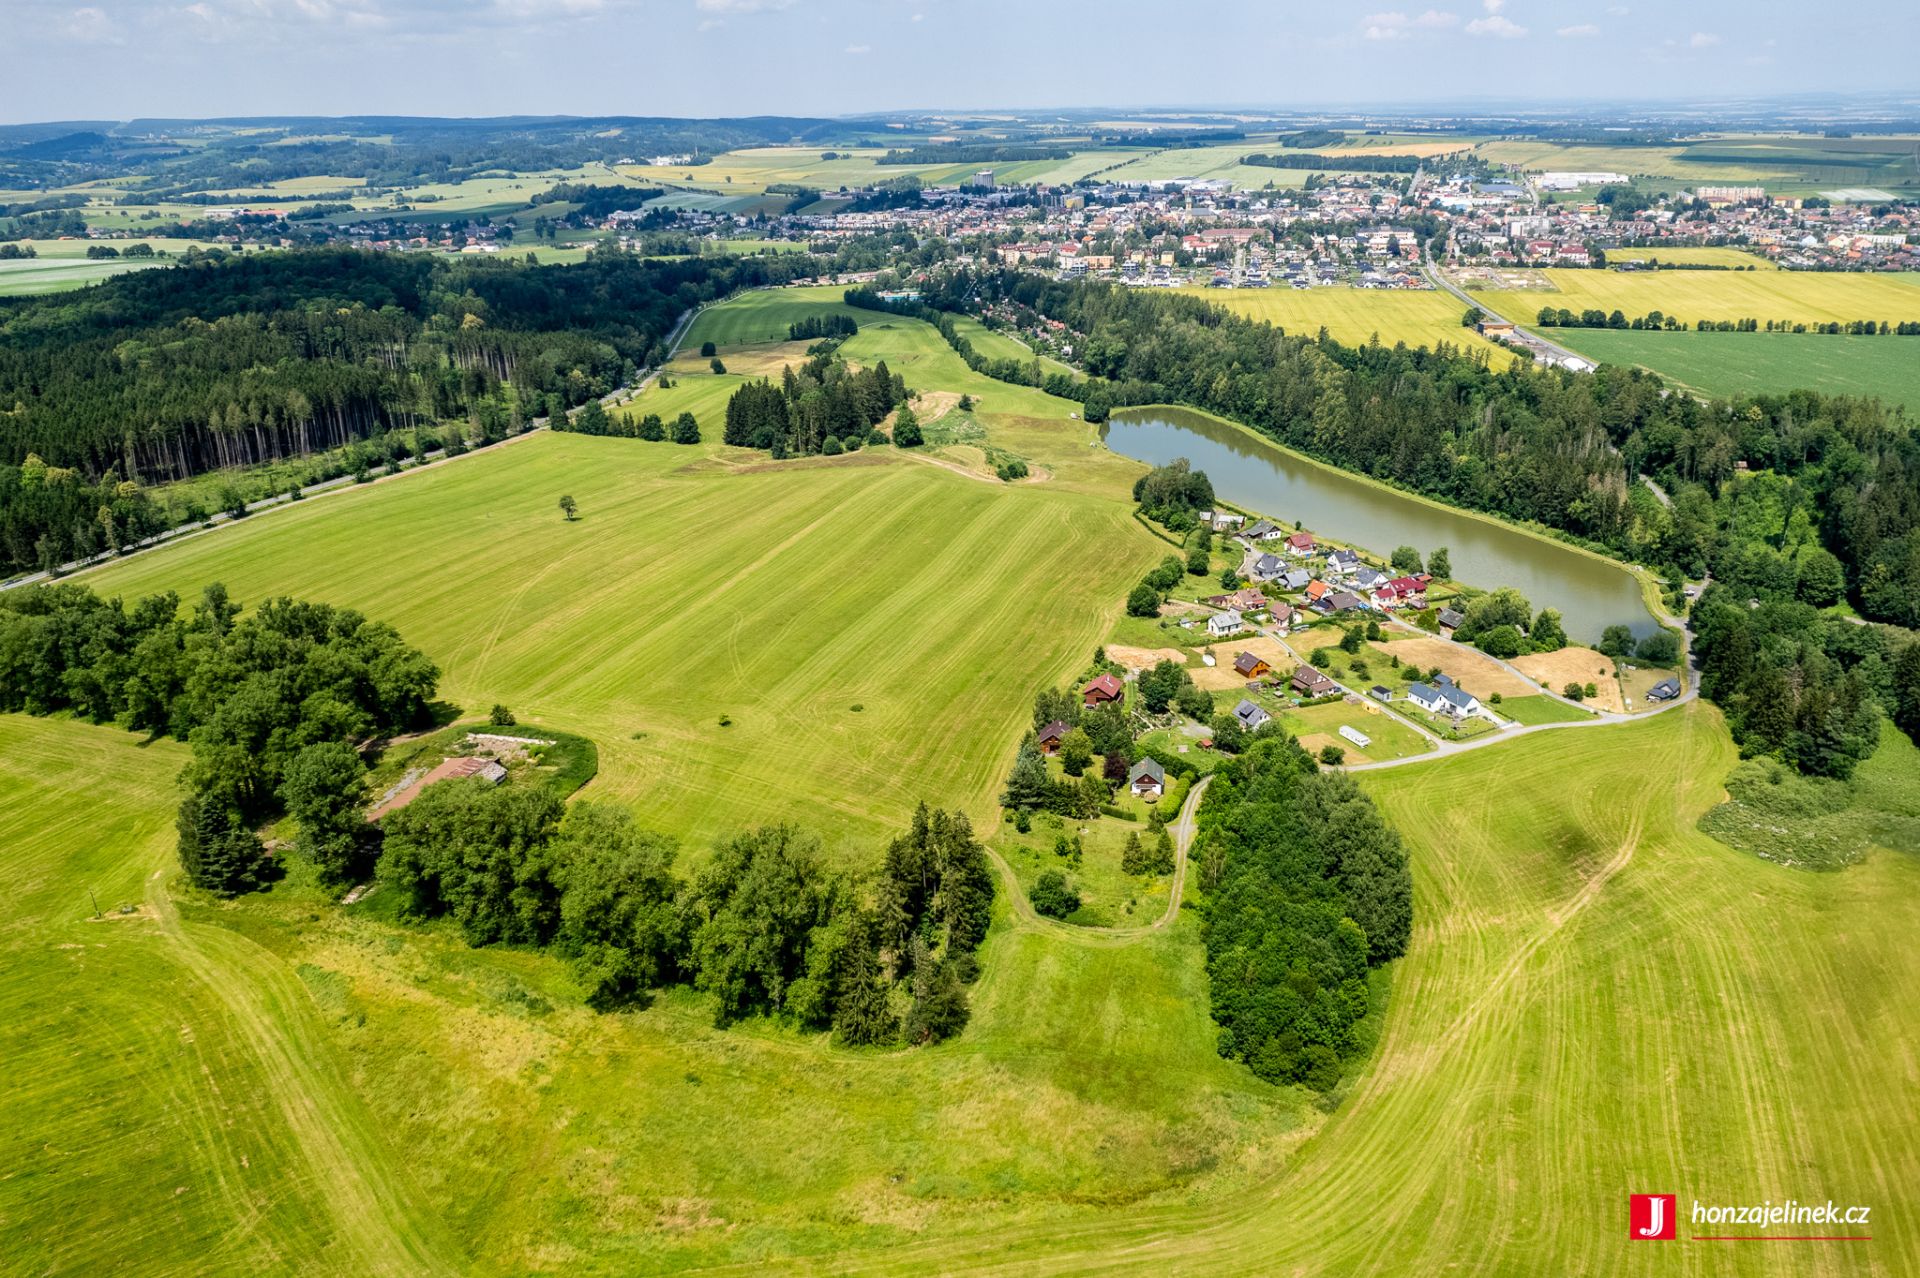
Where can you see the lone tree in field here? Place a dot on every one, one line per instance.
(569, 507)
(686, 429)
(906, 429)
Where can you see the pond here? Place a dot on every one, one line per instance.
(1255, 475)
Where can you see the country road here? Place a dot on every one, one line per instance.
(1444, 748)
(1440, 280)
(222, 519)
(1184, 827)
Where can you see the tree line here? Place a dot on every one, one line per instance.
(168, 373)
(765, 927)
(1561, 317)
(274, 706)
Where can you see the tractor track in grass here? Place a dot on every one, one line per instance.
(377, 1215)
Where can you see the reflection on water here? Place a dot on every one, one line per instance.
(1248, 472)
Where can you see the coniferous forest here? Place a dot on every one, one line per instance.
(164, 374)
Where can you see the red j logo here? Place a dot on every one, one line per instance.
(1650, 1217)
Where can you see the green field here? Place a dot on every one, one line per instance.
(1729, 257)
(35, 276)
(1539, 708)
(1803, 297)
(1598, 999)
(1726, 364)
(692, 588)
(278, 1079)
(279, 1085)
(1418, 317)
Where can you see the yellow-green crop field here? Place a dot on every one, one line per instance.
(1418, 317)
(1729, 257)
(1806, 297)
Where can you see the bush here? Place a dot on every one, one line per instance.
(501, 717)
(1143, 602)
(1052, 896)
(1661, 648)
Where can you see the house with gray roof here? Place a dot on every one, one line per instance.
(1147, 779)
(1250, 715)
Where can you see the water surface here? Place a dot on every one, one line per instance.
(1255, 475)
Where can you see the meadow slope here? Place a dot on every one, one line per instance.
(696, 586)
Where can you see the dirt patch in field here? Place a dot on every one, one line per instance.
(1470, 669)
(1144, 658)
(1222, 675)
(762, 359)
(1313, 742)
(928, 406)
(1555, 670)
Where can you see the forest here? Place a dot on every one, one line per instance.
(164, 374)
(823, 407)
(1308, 892)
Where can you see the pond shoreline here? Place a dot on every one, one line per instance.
(1645, 588)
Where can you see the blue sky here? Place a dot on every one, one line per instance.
(121, 58)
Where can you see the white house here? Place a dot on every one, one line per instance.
(1250, 715)
(1222, 624)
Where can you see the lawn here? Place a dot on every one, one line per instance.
(1728, 364)
(703, 583)
(1320, 725)
(1803, 297)
(1539, 708)
(1418, 317)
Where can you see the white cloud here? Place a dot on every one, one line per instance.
(1494, 6)
(1504, 28)
(1398, 26)
(92, 26)
(1703, 39)
(1578, 31)
(1618, 10)
(741, 6)
(859, 48)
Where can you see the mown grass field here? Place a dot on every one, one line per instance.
(38, 276)
(1804, 297)
(1357, 315)
(279, 1085)
(1598, 1000)
(1724, 364)
(696, 586)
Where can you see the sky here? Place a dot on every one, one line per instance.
(118, 59)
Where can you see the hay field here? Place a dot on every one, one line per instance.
(1555, 670)
(698, 585)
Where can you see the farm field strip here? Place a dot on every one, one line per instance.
(1418, 317)
(1796, 296)
(1727, 364)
